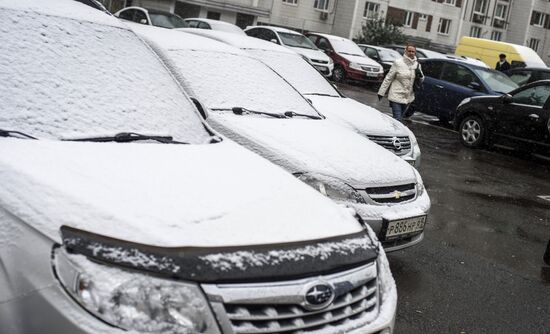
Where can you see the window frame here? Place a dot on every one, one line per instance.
(442, 22)
(409, 18)
(290, 2)
(367, 10)
(316, 5)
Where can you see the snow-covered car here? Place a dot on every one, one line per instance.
(363, 119)
(151, 17)
(122, 211)
(217, 25)
(295, 41)
(253, 105)
(350, 62)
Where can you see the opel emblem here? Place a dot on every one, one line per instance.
(318, 296)
(396, 143)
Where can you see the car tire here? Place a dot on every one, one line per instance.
(472, 131)
(338, 74)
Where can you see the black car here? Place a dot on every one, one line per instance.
(525, 75)
(517, 120)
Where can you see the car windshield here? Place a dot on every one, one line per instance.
(167, 20)
(389, 55)
(224, 81)
(68, 78)
(346, 46)
(497, 81)
(295, 40)
(298, 72)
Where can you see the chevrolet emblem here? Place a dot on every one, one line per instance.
(397, 194)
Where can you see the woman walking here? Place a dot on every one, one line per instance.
(400, 81)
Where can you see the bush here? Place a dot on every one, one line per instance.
(379, 32)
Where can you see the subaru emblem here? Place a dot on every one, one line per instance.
(318, 296)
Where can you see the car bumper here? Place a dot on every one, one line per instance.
(376, 217)
(325, 69)
(358, 75)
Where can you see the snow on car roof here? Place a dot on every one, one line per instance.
(177, 39)
(238, 41)
(277, 29)
(63, 8)
(330, 37)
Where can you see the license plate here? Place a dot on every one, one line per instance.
(403, 227)
(372, 74)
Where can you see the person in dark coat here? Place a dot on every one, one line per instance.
(502, 65)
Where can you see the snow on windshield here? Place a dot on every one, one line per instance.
(296, 40)
(346, 46)
(497, 81)
(223, 80)
(299, 73)
(62, 77)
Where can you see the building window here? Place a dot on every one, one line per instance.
(291, 2)
(444, 26)
(496, 35)
(450, 2)
(475, 31)
(501, 11)
(408, 19)
(534, 44)
(321, 5)
(537, 19)
(480, 7)
(371, 10)
(213, 15)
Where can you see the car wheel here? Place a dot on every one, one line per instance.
(472, 131)
(338, 74)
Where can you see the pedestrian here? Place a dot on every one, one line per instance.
(502, 64)
(399, 82)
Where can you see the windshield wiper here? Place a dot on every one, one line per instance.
(292, 114)
(15, 134)
(321, 94)
(126, 137)
(241, 110)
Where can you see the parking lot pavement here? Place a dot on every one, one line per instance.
(480, 268)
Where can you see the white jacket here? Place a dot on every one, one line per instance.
(400, 81)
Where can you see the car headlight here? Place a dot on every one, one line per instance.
(355, 66)
(420, 189)
(134, 301)
(415, 148)
(463, 102)
(330, 61)
(333, 188)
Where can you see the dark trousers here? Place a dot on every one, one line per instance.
(398, 110)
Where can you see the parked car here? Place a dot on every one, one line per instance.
(525, 75)
(350, 62)
(518, 120)
(295, 41)
(253, 105)
(122, 211)
(447, 82)
(383, 56)
(151, 17)
(363, 119)
(213, 25)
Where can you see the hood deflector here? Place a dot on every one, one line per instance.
(258, 263)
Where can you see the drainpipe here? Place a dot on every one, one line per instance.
(353, 20)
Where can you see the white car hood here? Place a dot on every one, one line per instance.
(316, 146)
(364, 60)
(311, 54)
(163, 195)
(358, 116)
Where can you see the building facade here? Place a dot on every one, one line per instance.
(433, 24)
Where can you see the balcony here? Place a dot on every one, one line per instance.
(499, 22)
(252, 7)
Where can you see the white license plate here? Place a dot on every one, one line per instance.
(372, 74)
(406, 226)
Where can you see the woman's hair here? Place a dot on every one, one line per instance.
(410, 45)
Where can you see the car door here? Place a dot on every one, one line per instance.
(526, 118)
(457, 83)
(427, 99)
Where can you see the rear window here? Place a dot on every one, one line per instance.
(167, 20)
(62, 77)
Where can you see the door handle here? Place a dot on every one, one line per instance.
(439, 86)
(534, 117)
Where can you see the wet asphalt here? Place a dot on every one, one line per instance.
(480, 267)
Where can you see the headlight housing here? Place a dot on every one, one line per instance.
(331, 187)
(132, 300)
(420, 189)
(355, 66)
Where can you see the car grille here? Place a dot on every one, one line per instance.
(370, 68)
(399, 145)
(392, 194)
(357, 305)
(319, 61)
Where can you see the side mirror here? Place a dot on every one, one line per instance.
(273, 40)
(507, 98)
(143, 21)
(200, 108)
(474, 85)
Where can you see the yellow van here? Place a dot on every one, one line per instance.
(488, 50)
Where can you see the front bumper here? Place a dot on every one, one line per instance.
(375, 215)
(359, 75)
(325, 69)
